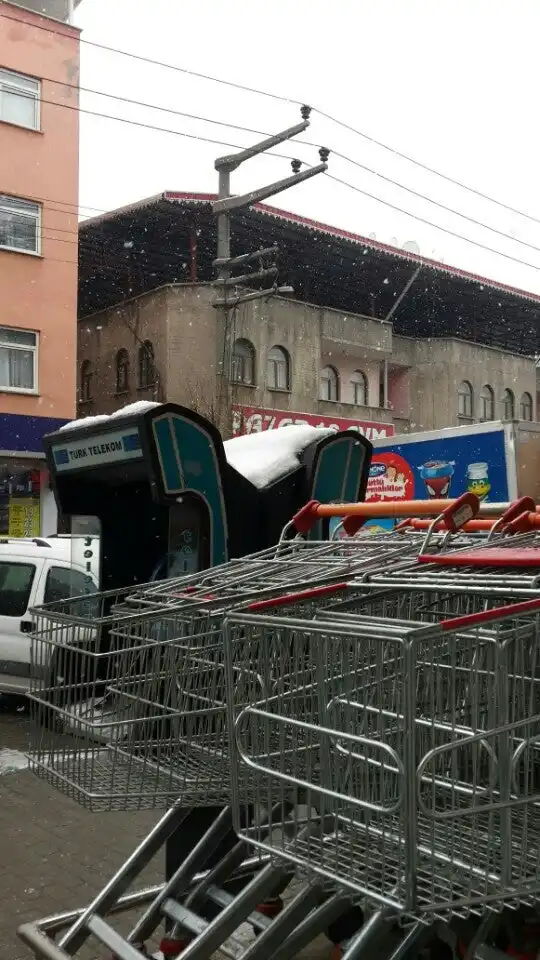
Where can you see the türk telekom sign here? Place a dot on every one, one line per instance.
(255, 419)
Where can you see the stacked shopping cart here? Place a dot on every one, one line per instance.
(367, 711)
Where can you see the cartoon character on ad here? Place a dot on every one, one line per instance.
(478, 480)
(390, 478)
(437, 476)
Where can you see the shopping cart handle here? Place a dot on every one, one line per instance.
(523, 523)
(459, 513)
(287, 598)
(487, 616)
(306, 518)
(352, 525)
(516, 509)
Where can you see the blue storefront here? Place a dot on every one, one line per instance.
(27, 506)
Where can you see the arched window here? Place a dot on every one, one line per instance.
(329, 384)
(86, 380)
(465, 399)
(507, 404)
(526, 407)
(487, 403)
(147, 370)
(122, 371)
(360, 388)
(278, 375)
(243, 362)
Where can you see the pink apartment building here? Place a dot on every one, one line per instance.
(39, 142)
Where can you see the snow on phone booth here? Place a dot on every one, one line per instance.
(168, 497)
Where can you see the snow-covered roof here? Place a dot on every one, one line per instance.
(131, 410)
(262, 458)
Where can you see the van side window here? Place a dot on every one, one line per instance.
(16, 581)
(63, 582)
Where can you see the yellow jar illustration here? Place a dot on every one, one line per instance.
(478, 480)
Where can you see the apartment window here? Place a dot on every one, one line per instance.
(507, 404)
(20, 223)
(18, 360)
(86, 381)
(329, 384)
(19, 99)
(122, 371)
(278, 369)
(465, 399)
(147, 369)
(360, 388)
(487, 403)
(243, 362)
(526, 407)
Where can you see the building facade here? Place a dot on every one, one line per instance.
(292, 362)
(39, 143)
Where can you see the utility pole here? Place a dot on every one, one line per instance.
(228, 299)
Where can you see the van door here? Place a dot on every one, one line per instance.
(18, 583)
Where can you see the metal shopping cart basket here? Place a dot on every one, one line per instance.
(414, 746)
(142, 628)
(128, 690)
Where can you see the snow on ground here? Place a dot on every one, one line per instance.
(141, 406)
(264, 457)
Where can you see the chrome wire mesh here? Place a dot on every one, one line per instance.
(410, 753)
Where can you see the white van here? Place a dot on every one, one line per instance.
(32, 572)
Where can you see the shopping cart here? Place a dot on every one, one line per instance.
(139, 693)
(413, 749)
(134, 680)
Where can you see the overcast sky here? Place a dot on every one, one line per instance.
(451, 84)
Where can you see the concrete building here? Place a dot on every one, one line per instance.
(156, 335)
(39, 76)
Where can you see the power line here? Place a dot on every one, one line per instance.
(151, 126)
(264, 93)
(167, 66)
(335, 153)
(262, 133)
(424, 166)
(451, 233)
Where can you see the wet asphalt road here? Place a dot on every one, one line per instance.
(55, 855)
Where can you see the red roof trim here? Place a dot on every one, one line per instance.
(285, 215)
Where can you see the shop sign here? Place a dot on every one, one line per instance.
(255, 420)
(23, 518)
(97, 451)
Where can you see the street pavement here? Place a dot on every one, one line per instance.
(54, 855)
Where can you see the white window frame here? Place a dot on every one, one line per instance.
(10, 81)
(328, 380)
(25, 205)
(35, 350)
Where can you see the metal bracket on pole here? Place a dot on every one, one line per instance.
(247, 257)
(246, 278)
(255, 196)
(233, 160)
(256, 295)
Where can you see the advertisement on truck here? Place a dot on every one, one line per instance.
(480, 459)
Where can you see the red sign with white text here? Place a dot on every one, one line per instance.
(255, 419)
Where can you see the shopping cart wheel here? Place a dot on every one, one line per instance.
(171, 947)
(271, 908)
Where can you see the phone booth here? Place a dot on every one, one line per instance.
(168, 500)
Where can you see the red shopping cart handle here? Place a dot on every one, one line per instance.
(488, 557)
